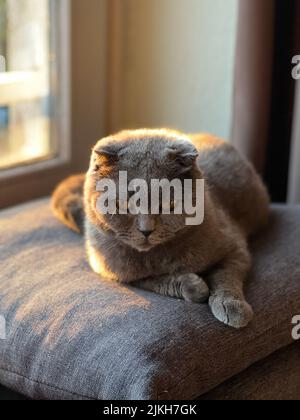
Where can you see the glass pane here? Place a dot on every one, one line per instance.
(25, 91)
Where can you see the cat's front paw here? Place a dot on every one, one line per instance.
(193, 288)
(233, 312)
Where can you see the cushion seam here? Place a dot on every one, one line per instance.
(53, 387)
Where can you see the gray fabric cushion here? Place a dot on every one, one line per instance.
(71, 335)
(274, 378)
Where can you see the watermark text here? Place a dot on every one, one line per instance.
(2, 328)
(179, 197)
(296, 68)
(296, 329)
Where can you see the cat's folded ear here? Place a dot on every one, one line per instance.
(184, 155)
(104, 156)
(106, 153)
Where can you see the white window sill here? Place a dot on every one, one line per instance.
(16, 87)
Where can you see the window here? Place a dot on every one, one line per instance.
(52, 92)
(26, 96)
(34, 97)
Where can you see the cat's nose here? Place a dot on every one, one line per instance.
(146, 233)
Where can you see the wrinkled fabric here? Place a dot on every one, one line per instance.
(72, 335)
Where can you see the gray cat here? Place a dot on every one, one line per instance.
(160, 253)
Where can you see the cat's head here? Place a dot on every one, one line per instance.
(143, 155)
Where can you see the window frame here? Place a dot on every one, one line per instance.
(80, 118)
(15, 177)
(294, 175)
(253, 79)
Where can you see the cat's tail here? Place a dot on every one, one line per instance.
(67, 203)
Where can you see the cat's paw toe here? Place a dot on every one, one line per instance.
(193, 288)
(233, 312)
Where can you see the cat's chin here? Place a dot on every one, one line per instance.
(142, 248)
